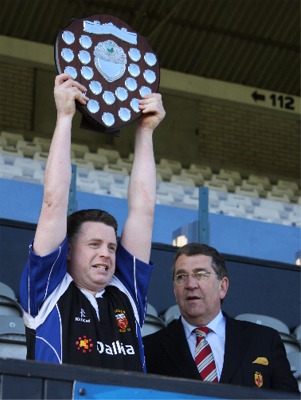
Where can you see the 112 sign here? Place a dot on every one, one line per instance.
(277, 100)
(286, 102)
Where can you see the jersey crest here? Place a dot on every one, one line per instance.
(121, 320)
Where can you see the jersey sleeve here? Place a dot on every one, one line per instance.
(135, 276)
(40, 276)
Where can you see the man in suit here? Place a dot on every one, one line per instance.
(244, 353)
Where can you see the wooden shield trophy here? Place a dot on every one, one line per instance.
(114, 63)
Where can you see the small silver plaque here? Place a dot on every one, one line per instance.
(134, 70)
(93, 106)
(144, 90)
(108, 119)
(84, 56)
(108, 97)
(149, 76)
(135, 105)
(134, 54)
(67, 54)
(121, 93)
(68, 37)
(131, 84)
(71, 71)
(87, 73)
(150, 59)
(85, 41)
(124, 114)
(96, 87)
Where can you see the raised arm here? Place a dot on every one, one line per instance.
(137, 233)
(52, 225)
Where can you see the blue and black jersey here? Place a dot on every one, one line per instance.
(67, 325)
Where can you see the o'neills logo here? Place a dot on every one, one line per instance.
(121, 320)
(115, 348)
(82, 317)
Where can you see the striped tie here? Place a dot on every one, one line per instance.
(203, 356)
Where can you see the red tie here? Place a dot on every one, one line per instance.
(203, 356)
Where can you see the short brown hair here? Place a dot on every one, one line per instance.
(193, 249)
(75, 220)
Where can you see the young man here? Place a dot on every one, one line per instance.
(83, 294)
(241, 353)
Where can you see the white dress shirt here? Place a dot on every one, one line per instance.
(216, 339)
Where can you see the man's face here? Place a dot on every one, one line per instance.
(92, 256)
(199, 300)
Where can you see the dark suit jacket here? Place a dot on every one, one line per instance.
(167, 353)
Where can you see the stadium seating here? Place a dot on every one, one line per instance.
(11, 137)
(232, 209)
(285, 184)
(115, 169)
(79, 150)
(111, 154)
(224, 180)
(28, 148)
(272, 214)
(263, 180)
(8, 171)
(205, 170)
(83, 167)
(12, 337)
(228, 173)
(278, 197)
(289, 192)
(175, 165)
(217, 186)
(250, 192)
(42, 157)
(196, 176)
(166, 199)
(266, 320)
(9, 304)
(9, 153)
(228, 193)
(175, 190)
(119, 189)
(125, 164)
(165, 171)
(3, 142)
(98, 160)
(247, 184)
(237, 199)
(43, 142)
(27, 165)
(184, 181)
(104, 179)
(86, 184)
(172, 313)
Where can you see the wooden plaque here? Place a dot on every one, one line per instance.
(113, 62)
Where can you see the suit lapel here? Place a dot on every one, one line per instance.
(176, 347)
(236, 341)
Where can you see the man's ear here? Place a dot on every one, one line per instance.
(224, 285)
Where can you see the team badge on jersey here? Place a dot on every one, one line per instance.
(258, 378)
(121, 320)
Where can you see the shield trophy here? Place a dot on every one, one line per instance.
(114, 63)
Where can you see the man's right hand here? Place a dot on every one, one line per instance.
(66, 91)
